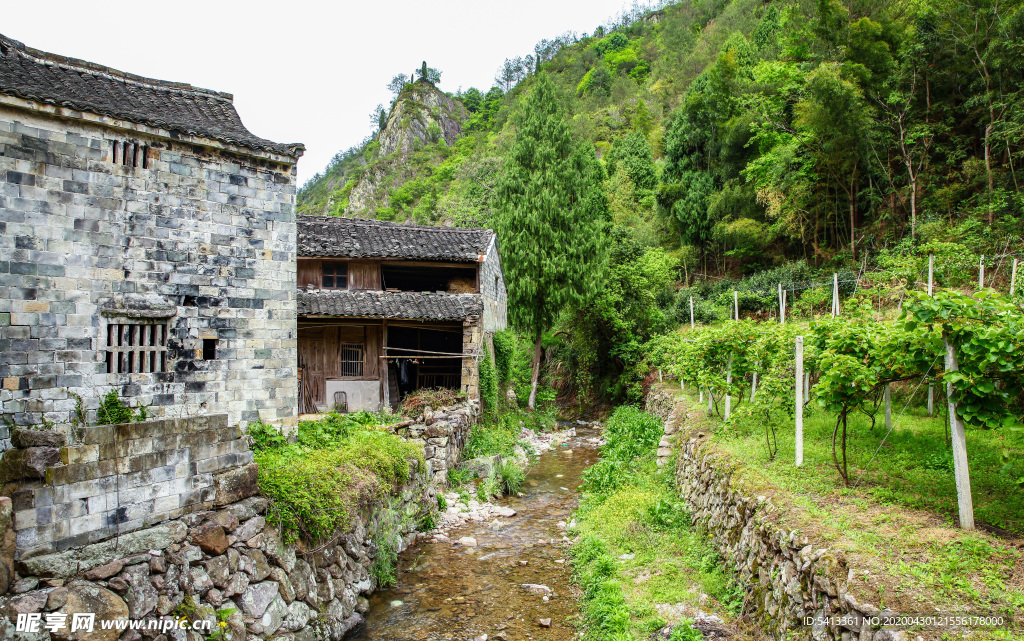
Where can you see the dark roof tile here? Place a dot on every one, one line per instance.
(85, 86)
(334, 237)
(407, 305)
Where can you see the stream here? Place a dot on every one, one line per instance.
(450, 592)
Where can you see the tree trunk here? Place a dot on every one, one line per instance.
(532, 403)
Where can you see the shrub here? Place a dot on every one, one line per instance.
(113, 410)
(512, 477)
(265, 436)
(488, 384)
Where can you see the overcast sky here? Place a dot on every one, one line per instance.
(301, 71)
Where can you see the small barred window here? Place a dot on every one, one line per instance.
(131, 154)
(351, 360)
(136, 348)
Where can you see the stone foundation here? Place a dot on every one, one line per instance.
(788, 577)
(443, 433)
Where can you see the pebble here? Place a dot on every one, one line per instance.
(467, 541)
(396, 603)
(544, 623)
(627, 557)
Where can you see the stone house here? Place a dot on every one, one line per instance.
(385, 309)
(147, 246)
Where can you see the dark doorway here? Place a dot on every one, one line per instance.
(416, 358)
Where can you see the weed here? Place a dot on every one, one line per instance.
(114, 410)
(442, 503)
(459, 477)
(512, 477)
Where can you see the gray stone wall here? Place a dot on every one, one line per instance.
(492, 287)
(788, 576)
(229, 562)
(201, 241)
(442, 432)
(120, 478)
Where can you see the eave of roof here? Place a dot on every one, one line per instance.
(336, 237)
(434, 306)
(180, 108)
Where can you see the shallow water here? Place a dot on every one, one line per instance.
(453, 593)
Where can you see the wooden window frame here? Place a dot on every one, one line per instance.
(136, 347)
(355, 367)
(333, 274)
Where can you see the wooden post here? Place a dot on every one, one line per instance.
(691, 312)
(728, 383)
(981, 272)
(887, 396)
(959, 438)
(1013, 278)
(931, 272)
(736, 303)
(799, 400)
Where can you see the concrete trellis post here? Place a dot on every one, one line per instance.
(835, 295)
(736, 304)
(728, 383)
(799, 400)
(711, 400)
(782, 307)
(887, 396)
(1013, 278)
(981, 272)
(957, 435)
(753, 385)
(807, 386)
(701, 390)
(691, 314)
(931, 385)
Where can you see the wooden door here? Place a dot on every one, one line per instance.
(312, 357)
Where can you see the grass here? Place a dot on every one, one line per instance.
(898, 527)
(338, 464)
(629, 508)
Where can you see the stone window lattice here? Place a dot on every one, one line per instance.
(351, 359)
(130, 154)
(136, 348)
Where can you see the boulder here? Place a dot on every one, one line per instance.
(211, 538)
(7, 543)
(234, 485)
(22, 439)
(88, 598)
(257, 598)
(250, 528)
(29, 463)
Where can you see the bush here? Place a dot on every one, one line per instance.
(512, 477)
(317, 490)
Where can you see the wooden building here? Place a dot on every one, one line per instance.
(386, 309)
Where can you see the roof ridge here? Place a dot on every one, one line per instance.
(388, 223)
(77, 64)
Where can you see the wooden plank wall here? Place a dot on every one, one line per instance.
(320, 353)
(362, 275)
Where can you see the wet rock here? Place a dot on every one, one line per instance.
(537, 588)
(467, 541)
(544, 623)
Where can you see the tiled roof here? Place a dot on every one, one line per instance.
(409, 305)
(334, 237)
(85, 86)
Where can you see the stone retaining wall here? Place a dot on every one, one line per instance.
(788, 576)
(207, 564)
(443, 433)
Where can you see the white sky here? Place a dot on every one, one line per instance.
(301, 71)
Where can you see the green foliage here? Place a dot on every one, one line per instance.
(318, 484)
(512, 477)
(494, 434)
(631, 439)
(265, 436)
(489, 395)
(113, 410)
(504, 353)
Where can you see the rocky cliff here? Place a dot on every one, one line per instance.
(421, 118)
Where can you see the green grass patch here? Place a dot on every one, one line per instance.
(630, 508)
(338, 464)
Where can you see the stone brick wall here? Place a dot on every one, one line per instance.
(201, 241)
(492, 286)
(472, 343)
(120, 478)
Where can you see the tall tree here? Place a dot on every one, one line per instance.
(552, 218)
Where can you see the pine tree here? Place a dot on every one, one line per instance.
(552, 218)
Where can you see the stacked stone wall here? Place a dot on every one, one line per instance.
(788, 576)
(443, 433)
(200, 241)
(120, 478)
